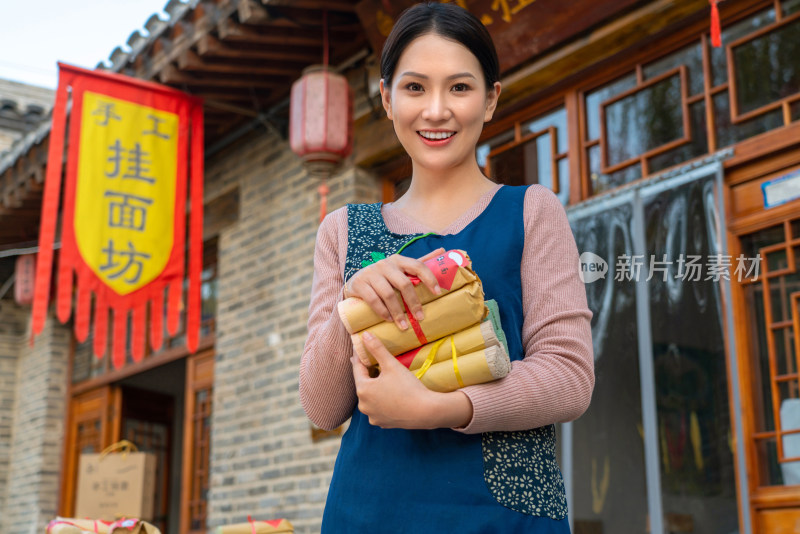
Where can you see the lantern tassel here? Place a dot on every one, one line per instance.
(716, 38)
(323, 202)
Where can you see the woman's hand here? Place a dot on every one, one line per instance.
(398, 399)
(376, 284)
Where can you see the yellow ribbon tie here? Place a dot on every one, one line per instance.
(429, 360)
(455, 361)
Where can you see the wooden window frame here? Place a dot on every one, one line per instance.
(642, 85)
(785, 102)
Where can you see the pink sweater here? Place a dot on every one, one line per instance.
(553, 383)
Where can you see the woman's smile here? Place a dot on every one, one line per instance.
(436, 137)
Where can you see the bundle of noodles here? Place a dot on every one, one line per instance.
(458, 326)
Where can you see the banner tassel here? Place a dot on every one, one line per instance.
(100, 325)
(157, 319)
(139, 330)
(120, 337)
(83, 310)
(195, 230)
(52, 193)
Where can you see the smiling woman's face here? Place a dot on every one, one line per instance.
(439, 102)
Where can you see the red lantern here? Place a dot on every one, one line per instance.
(24, 276)
(321, 113)
(321, 123)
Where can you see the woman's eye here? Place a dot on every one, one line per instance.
(413, 86)
(461, 87)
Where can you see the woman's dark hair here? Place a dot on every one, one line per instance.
(449, 21)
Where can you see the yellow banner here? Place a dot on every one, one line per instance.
(125, 193)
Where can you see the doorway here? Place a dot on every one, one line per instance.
(164, 410)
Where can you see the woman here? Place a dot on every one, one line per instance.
(482, 458)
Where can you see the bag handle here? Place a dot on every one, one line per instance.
(124, 445)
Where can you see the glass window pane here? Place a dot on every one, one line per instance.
(544, 160)
(729, 134)
(795, 229)
(766, 69)
(594, 98)
(696, 148)
(697, 470)
(644, 120)
(780, 292)
(790, 6)
(719, 68)
(785, 354)
(794, 108)
(563, 181)
(604, 182)
(769, 468)
(482, 152)
(691, 56)
(557, 118)
(785, 358)
(516, 166)
(608, 485)
(752, 243)
(759, 358)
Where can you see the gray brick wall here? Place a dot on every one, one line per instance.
(36, 439)
(12, 330)
(263, 461)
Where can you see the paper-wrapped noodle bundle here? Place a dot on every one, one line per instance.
(452, 271)
(444, 316)
(477, 367)
(276, 526)
(71, 525)
(477, 336)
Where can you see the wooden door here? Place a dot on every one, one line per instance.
(93, 424)
(196, 442)
(767, 319)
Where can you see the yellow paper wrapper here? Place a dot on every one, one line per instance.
(476, 337)
(476, 367)
(357, 315)
(261, 527)
(444, 316)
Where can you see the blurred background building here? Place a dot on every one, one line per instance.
(657, 143)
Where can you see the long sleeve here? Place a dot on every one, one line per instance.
(327, 390)
(554, 381)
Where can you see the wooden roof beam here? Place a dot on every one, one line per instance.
(330, 5)
(209, 46)
(230, 30)
(189, 60)
(171, 75)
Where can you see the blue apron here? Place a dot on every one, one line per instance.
(443, 481)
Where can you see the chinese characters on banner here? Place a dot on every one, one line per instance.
(123, 225)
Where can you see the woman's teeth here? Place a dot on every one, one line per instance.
(436, 135)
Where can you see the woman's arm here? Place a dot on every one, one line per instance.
(327, 390)
(554, 382)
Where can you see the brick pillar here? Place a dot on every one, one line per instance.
(263, 461)
(37, 425)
